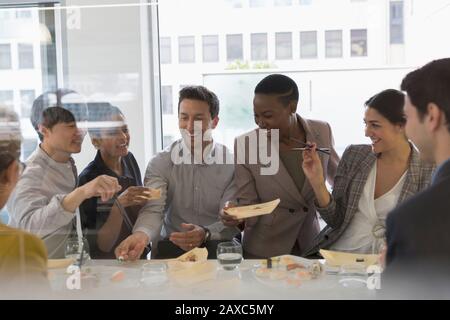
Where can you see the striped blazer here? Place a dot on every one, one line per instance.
(351, 177)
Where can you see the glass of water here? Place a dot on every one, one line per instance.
(353, 276)
(74, 247)
(229, 255)
(153, 274)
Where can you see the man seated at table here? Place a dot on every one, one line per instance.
(194, 183)
(46, 199)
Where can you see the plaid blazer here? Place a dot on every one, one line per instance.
(349, 182)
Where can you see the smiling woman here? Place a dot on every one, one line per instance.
(370, 181)
(105, 224)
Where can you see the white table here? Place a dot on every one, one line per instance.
(236, 284)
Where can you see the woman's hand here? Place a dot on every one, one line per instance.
(312, 166)
(135, 196)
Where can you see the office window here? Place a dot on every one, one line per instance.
(5, 56)
(283, 45)
(7, 98)
(210, 48)
(4, 15)
(165, 50)
(358, 42)
(281, 3)
(186, 49)
(23, 14)
(259, 46)
(26, 101)
(26, 56)
(333, 44)
(308, 44)
(234, 47)
(305, 2)
(166, 99)
(257, 3)
(396, 22)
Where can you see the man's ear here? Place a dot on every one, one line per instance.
(434, 117)
(43, 130)
(214, 122)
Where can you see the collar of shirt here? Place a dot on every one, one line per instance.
(104, 169)
(57, 165)
(441, 172)
(209, 152)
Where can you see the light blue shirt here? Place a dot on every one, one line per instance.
(190, 193)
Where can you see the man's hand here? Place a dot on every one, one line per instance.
(227, 219)
(103, 186)
(135, 196)
(194, 236)
(132, 247)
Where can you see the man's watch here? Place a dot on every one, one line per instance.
(207, 234)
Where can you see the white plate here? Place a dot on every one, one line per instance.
(289, 280)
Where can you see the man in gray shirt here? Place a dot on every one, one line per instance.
(195, 182)
(46, 199)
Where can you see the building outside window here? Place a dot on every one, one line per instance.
(259, 46)
(166, 99)
(210, 48)
(308, 44)
(234, 47)
(26, 56)
(333, 43)
(5, 56)
(283, 45)
(186, 49)
(358, 42)
(165, 47)
(396, 22)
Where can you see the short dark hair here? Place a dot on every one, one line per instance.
(389, 103)
(203, 94)
(49, 109)
(278, 84)
(430, 84)
(101, 112)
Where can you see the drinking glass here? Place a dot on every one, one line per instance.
(153, 274)
(229, 255)
(353, 276)
(73, 249)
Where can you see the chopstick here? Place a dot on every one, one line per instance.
(125, 216)
(81, 257)
(307, 146)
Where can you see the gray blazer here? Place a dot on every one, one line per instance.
(295, 217)
(351, 177)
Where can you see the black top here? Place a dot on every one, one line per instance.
(94, 212)
(418, 237)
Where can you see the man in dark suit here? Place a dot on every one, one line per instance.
(418, 231)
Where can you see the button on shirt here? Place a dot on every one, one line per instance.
(190, 193)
